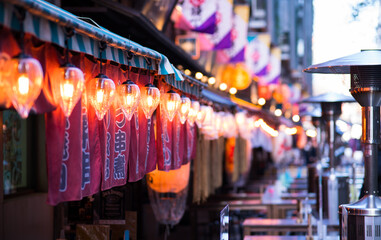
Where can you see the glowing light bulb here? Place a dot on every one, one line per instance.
(278, 112)
(184, 109)
(150, 99)
(100, 92)
(198, 75)
(223, 86)
(171, 103)
(128, 98)
(67, 90)
(311, 133)
(25, 83)
(261, 101)
(212, 80)
(170, 106)
(233, 90)
(193, 111)
(68, 87)
(187, 72)
(201, 116)
(296, 118)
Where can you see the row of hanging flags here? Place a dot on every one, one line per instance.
(223, 28)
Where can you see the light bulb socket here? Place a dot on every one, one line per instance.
(67, 65)
(22, 55)
(100, 78)
(171, 91)
(149, 85)
(101, 75)
(128, 82)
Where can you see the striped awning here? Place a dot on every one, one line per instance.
(47, 22)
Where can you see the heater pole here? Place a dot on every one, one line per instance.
(371, 140)
(331, 140)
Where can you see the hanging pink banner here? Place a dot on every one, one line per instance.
(178, 134)
(143, 149)
(222, 37)
(196, 15)
(257, 55)
(236, 53)
(116, 139)
(164, 136)
(91, 148)
(190, 142)
(64, 155)
(273, 68)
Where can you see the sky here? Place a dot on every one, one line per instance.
(336, 34)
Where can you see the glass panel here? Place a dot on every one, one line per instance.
(14, 152)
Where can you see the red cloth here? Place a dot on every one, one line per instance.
(190, 142)
(164, 136)
(91, 148)
(143, 149)
(178, 134)
(64, 155)
(170, 138)
(116, 140)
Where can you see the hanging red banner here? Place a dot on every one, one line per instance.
(164, 135)
(190, 142)
(143, 149)
(64, 155)
(116, 139)
(178, 141)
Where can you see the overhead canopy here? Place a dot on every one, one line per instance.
(371, 57)
(217, 98)
(125, 21)
(329, 97)
(47, 22)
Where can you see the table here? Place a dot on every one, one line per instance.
(295, 187)
(275, 209)
(298, 195)
(251, 225)
(258, 196)
(267, 237)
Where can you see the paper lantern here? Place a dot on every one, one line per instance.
(128, 94)
(193, 111)
(236, 76)
(184, 109)
(25, 82)
(201, 115)
(171, 102)
(150, 99)
(101, 91)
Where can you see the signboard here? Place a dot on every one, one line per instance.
(224, 223)
(112, 206)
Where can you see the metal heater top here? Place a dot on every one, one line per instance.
(370, 57)
(329, 97)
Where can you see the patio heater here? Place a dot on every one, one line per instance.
(335, 188)
(362, 219)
